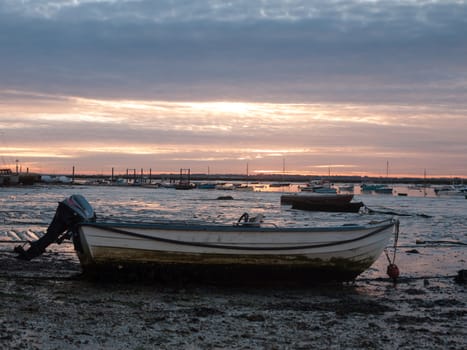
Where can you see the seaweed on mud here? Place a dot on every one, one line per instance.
(409, 319)
(356, 306)
(453, 314)
(203, 311)
(429, 304)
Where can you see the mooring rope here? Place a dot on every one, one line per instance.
(389, 211)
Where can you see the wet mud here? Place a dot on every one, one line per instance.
(46, 304)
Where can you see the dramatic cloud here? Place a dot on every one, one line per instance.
(351, 83)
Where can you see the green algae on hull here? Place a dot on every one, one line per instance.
(215, 268)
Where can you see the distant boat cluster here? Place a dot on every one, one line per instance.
(10, 178)
(184, 182)
(451, 190)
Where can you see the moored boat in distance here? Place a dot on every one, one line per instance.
(376, 188)
(451, 190)
(225, 186)
(371, 187)
(346, 188)
(206, 186)
(383, 190)
(319, 186)
(184, 186)
(279, 184)
(322, 202)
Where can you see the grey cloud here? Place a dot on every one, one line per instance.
(327, 50)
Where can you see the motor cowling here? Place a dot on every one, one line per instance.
(80, 206)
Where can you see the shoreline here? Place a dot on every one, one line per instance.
(46, 305)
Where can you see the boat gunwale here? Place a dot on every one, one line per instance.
(196, 227)
(377, 228)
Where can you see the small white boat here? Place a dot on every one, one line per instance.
(244, 187)
(346, 188)
(319, 186)
(450, 190)
(248, 249)
(225, 187)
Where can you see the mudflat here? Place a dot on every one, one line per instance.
(47, 304)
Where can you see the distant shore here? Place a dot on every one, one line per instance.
(32, 178)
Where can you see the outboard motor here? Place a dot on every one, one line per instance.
(70, 211)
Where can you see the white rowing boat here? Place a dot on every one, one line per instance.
(247, 249)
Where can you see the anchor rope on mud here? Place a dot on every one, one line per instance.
(392, 269)
(389, 211)
(407, 278)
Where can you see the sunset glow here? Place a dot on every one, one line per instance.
(103, 134)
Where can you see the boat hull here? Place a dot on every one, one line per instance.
(317, 198)
(353, 207)
(224, 253)
(323, 202)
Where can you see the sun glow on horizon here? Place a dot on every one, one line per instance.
(350, 138)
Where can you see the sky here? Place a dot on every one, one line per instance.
(312, 87)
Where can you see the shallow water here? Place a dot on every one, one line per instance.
(45, 307)
(25, 213)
